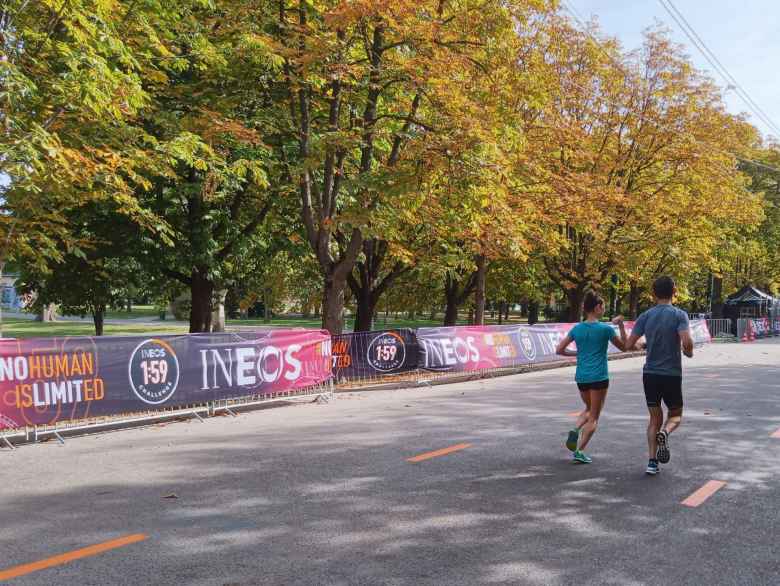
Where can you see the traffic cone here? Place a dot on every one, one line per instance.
(747, 333)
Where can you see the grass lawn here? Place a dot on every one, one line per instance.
(138, 311)
(22, 328)
(379, 324)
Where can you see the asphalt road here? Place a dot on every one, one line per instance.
(324, 494)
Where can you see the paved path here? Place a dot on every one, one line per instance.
(324, 494)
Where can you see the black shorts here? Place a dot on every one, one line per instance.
(660, 387)
(601, 385)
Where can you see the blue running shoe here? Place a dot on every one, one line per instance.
(582, 457)
(652, 467)
(571, 441)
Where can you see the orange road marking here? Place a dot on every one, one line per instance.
(705, 492)
(65, 558)
(437, 453)
(776, 434)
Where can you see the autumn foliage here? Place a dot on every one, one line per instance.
(455, 148)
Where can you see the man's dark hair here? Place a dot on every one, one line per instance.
(663, 287)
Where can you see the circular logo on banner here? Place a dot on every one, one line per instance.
(154, 371)
(386, 352)
(527, 344)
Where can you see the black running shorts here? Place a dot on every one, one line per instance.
(601, 385)
(660, 387)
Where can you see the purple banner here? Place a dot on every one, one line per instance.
(369, 355)
(481, 347)
(46, 380)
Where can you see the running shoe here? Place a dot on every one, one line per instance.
(571, 441)
(652, 467)
(663, 455)
(582, 457)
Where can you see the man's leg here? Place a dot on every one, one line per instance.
(597, 398)
(673, 419)
(672, 397)
(653, 427)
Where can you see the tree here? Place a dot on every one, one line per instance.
(90, 277)
(72, 79)
(639, 151)
(372, 89)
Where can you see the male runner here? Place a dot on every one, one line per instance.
(665, 329)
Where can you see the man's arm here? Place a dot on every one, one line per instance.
(687, 343)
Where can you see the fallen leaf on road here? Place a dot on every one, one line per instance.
(173, 495)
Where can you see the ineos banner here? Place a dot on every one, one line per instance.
(481, 347)
(46, 380)
(367, 355)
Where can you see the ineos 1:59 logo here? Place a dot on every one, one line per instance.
(154, 371)
(387, 352)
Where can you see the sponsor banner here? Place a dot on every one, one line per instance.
(368, 355)
(480, 347)
(700, 332)
(764, 327)
(46, 380)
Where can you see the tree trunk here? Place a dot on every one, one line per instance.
(368, 282)
(500, 312)
(218, 317)
(506, 309)
(633, 299)
(533, 312)
(433, 314)
(455, 296)
(366, 308)
(129, 305)
(717, 297)
(451, 301)
(333, 304)
(97, 318)
(266, 305)
(202, 292)
(574, 299)
(613, 296)
(479, 295)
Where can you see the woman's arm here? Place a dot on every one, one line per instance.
(621, 343)
(563, 347)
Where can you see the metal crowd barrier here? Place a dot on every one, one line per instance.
(721, 329)
(35, 433)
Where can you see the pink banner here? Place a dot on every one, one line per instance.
(46, 380)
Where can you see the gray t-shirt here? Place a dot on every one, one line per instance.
(660, 326)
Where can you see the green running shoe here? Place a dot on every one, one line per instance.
(582, 457)
(571, 441)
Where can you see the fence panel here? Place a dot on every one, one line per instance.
(53, 383)
(375, 357)
(721, 328)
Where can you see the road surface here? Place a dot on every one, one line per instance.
(326, 494)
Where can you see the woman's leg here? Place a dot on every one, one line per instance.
(583, 416)
(596, 401)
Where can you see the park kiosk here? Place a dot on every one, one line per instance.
(748, 303)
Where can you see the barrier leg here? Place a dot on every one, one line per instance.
(8, 443)
(230, 411)
(197, 415)
(59, 437)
